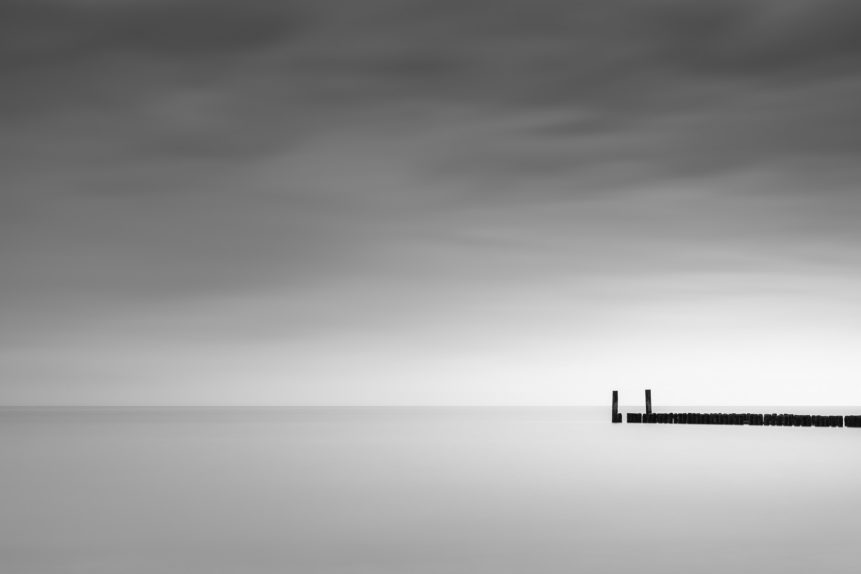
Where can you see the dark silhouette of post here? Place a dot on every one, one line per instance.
(617, 418)
(648, 401)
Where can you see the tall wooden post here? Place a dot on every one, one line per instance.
(617, 418)
(648, 401)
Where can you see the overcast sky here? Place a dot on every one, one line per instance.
(430, 202)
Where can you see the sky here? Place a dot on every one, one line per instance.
(429, 202)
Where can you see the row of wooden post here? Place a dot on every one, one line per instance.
(753, 419)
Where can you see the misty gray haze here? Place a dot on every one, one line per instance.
(424, 202)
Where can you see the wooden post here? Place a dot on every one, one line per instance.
(616, 417)
(648, 401)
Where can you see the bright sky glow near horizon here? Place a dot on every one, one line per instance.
(415, 202)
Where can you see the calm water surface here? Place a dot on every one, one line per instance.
(410, 490)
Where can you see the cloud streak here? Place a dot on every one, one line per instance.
(305, 180)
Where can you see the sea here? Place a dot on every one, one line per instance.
(414, 490)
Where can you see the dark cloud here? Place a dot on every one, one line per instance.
(47, 34)
(792, 41)
(207, 79)
(172, 170)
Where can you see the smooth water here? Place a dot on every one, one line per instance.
(412, 490)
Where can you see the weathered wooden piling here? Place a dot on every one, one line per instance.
(648, 401)
(617, 418)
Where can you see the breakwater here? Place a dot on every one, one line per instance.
(751, 419)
